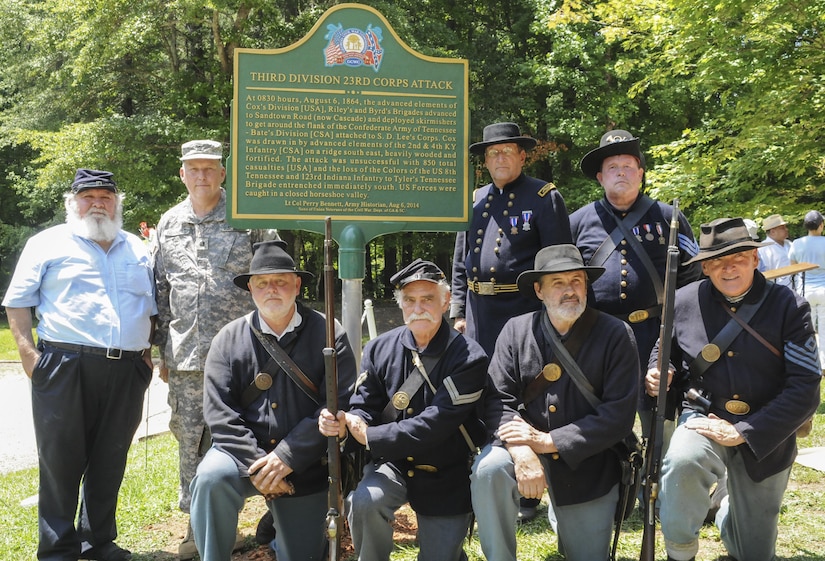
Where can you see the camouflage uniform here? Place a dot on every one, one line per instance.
(195, 260)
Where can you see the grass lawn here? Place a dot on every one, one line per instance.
(8, 350)
(151, 526)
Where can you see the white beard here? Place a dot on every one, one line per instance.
(95, 226)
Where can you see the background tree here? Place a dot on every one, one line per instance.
(757, 68)
(727, 97)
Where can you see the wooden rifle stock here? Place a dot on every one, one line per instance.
(654, 440)
(335, 500)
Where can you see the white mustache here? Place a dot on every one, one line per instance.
(415, 317)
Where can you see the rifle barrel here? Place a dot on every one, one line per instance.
(654, 441)
(335, 499)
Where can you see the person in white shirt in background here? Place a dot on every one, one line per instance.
(775, 255)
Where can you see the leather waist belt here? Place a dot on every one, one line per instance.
(491, 288)
(113, 354)
(638, 316)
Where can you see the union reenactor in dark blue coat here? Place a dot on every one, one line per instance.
(415, 410)
(263, 391)
(546, 431)
(513, 218)
(746, 351)
(635, 255)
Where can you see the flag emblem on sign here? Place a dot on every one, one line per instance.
(353, 47)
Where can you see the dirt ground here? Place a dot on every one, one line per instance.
(175, 529)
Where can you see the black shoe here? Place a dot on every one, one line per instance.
(527, 509)
(265, 532)
(526, 513)
(107, 552)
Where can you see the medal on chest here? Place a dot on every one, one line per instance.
(661, 233)
(526, 215)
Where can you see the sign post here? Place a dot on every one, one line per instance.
(349, 123)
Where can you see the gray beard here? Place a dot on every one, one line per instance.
(566, 313)
(96, 228)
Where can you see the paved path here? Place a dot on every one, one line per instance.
(17, 446)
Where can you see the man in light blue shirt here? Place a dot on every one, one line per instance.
(91, 286)
(775, 255)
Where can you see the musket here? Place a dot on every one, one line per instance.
(657, 423)
(335, 500)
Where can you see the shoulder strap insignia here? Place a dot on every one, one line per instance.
(546, 188)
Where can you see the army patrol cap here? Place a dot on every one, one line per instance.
(201, 150)
(561, 258)
(416, 271)
(270, 258)
(612, 143)
(724, 236)
(501, 133)
(93, 179)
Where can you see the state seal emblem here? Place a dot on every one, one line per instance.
(353, 47)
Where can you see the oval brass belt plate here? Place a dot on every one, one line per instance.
(637, 316)
(263, 381)
(400, 400)
(737, 407)
(711, 352)
(551, 372)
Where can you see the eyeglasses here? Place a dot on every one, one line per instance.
(507, 151)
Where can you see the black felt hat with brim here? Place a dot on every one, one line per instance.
(612, 143)
(270, 258)
(501, 133)
(724, 236)
(561, 258)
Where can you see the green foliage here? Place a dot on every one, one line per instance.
(756, 68)
(727, 97)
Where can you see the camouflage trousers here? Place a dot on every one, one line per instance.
(187, 425)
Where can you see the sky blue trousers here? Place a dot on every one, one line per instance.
(584, 529)
(371, 511)
(747, 521)
(218, 495)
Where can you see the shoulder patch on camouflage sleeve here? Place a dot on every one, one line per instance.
(546, 188)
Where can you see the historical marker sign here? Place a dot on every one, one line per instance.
(349, 123)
